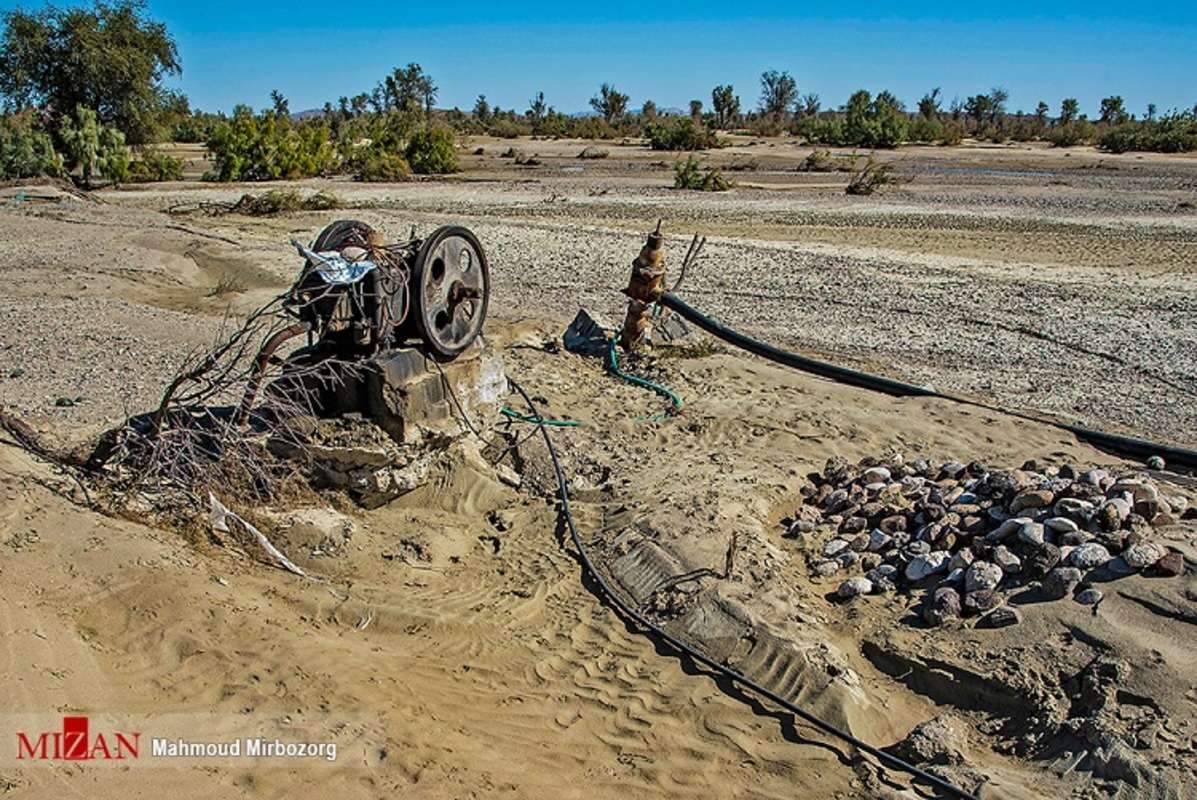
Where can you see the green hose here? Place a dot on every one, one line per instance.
(612, 364)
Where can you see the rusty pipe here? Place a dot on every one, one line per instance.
(260, 364)
(644, 289)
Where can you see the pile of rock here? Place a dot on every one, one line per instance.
(971, 534)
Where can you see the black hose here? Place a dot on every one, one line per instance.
(1125, 446)
(723, 669)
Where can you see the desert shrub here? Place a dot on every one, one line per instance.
(680, 134)
(508, 128)
(25, 151)
(690, 174)
(269, 147)
(1073, 134)
(154, 166)
(745, 165)
(1172, 133)
(821, 129)
(432, 151)
(381, 166)
(522, 160)
(821, 161)
(279, 201)
(593, 153)
(953, 133)
(873, 176)
(926, 129)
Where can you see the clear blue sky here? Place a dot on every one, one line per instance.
(673, 52)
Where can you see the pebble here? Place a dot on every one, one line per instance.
(1172, 564)
(1008, 528)
(800, 527)
(883, 571)
(926, 565)
(855, 586)
(1061, 525)
(962, 559)
(879, 540)
(1041, 562)
(943, 606)
(982, 576)
(1032, 498)
(1156, 463)
(1004, 558)
(1089, 555)
(835, 547)
(1060, 582)
(1002, 617)
(875, 475)
(825, 569)
(982, 600)
(1089, 597)
(1142, 556)
(1032, 533)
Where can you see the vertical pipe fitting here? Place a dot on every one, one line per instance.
(644, 289)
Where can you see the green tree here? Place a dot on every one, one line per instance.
(281, 107)
(1113, 110)
(537, 108)
(431, 151)
(26, 151)
(779, 93)
(109, 58)
(93, 147)
(726, 105)
(481, 109)
(1069, 111)
(609, 103)
(648, 110)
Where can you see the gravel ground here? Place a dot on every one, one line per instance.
(1037, 284)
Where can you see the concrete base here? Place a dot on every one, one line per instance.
(415, 399)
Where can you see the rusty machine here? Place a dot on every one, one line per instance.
(357, 296)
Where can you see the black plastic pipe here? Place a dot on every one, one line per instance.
(1125, 446)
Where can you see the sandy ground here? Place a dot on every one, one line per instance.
(1055, 282)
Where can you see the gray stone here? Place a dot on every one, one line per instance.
(835, 547)
(1032, 498)
(1060, 582)
(1061, 525)
(1089, 555)
(875, 475)
(962, 559)
(1032, 533)
(1010, 563)
(1089, 597)
(941, 740)
(1041, 561)
(982, 600)
(1142, 556)
(1008, 528)
(800, 527)
(981, 576)
(943, 605)
(855, 586)
(848, 559)
(1001, 617)
(825, 569)
(923, 566)
(879, 540)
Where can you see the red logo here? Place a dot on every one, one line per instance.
(75, 743)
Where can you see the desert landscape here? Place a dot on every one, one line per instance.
(454, 630)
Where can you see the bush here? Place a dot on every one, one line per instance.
(269, 147)
(278, 201)
(1172, 133)
(680, 134)
(692, 175)
(593, 153)
(380, 166)
(1073, 134)
(431, 151)
(871, 177)
(155, 166)
(25, 151)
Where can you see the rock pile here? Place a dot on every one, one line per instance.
(970, 534)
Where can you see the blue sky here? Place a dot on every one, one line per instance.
(673, 52)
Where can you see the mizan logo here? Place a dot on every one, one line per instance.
(75, 743)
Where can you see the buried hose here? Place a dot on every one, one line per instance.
(613, 366)
(630, 613)
(1125, 446)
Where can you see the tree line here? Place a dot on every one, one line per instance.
(83, 96)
